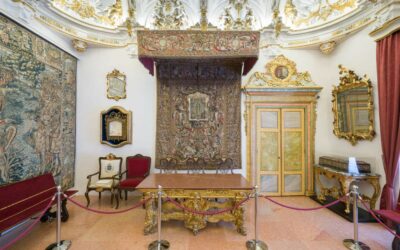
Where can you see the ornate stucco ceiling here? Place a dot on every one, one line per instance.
(285, 23)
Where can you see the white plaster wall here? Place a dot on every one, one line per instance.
(357, 53)
(92, 99)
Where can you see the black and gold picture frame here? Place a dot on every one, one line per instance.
(116, 127)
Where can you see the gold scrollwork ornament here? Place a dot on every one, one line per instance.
(353, 107)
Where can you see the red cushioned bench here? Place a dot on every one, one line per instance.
(22, 200)
(392, 215)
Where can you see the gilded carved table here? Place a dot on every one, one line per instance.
(200, 192)
(345, 179)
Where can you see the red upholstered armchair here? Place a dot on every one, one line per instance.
(137, 169)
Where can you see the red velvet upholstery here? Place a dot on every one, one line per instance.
(21, 200)
(131, 182)
(137, 169)
(137, 166)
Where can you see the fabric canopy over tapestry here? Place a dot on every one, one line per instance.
(195, 44)
(198, 112)
(37, 107)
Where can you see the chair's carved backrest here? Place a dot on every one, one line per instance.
(137, 166)
(225, 166)
(168, 165)
(109, 166)
(195, 165)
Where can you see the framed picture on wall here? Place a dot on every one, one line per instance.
(116, 127)
(116, 85)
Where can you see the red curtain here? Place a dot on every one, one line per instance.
(388, 63)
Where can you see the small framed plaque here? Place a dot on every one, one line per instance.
(116, 85)
(116, 127)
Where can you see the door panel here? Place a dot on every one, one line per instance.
(269, 150)
(280, 151)
(268, 145)
(293, 151)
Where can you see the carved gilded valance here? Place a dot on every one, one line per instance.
(176, 44)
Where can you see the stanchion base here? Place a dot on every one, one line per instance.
(351, 244)
(64, 244)
(159, 245)
(256, 245)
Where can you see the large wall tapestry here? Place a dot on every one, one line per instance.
(37, 107)
(198, 111)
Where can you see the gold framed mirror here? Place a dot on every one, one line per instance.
(353, 107)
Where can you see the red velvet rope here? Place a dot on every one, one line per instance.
(29, 229)
(305, 209)
(177, 204)
(107, 212)
(378, 220)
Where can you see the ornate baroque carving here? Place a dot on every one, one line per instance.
(79, 45)
(107, 13)
(169, 15)
(301, 14)
(192, 44)
(280, 72)
(327, 47)
(242, 19)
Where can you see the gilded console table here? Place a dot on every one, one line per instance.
(345, 179)
(200, 192)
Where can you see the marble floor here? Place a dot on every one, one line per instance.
(280, 228)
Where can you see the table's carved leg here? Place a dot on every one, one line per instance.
(192, 221)
(150, 221)
(322, 189)
(345, 185)
(377, 190)
(239, 220)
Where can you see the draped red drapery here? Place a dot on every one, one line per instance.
(388, 65)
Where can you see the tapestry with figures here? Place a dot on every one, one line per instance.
(198, 113)
(37, 107)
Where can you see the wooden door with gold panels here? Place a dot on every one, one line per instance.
(280, 151)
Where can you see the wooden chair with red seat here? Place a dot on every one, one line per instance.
(392, 215)
(137, 169)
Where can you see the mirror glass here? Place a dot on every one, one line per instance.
(353, 110)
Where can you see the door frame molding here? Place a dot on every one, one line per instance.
(300, 97)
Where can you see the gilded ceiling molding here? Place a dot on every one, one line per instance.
(388, 20)
(114, 23)
(169, 15)
(328, 47)
(79, 45)
(301, 15)
(238, 15)
(316, 38)
(101, 13)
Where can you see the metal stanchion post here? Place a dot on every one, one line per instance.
(60, 244)
(256, 244)
(354, 244)
(159, 244)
